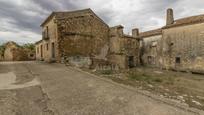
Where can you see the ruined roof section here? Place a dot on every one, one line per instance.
(11, 43)
(38, 42)
(187, 21)
(69, 14)
(118, 26)
(151, 33)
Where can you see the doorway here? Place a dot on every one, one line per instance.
(53, 50)
(131, 61)
(41, 51)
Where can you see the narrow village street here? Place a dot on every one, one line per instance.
(35, 88)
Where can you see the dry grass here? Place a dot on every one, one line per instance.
(185, 87)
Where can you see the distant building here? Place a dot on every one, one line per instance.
(10, 51)
(14, 52)
(179, 45)
(83, 39)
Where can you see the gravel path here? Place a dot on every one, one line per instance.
(67, 91)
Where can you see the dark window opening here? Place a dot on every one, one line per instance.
(47, 32)
(131, 61)
(53, 50)
(31, 55)
(41, 50)
(178, 60)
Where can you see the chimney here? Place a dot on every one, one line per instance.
(117, 30)
(135, 32)
(169, 17)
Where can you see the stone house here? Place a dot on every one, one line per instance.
(79, 37)
(183, 43)
(150, 48)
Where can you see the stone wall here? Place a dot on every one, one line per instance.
(50, 28)
(13, 52)
(183, 47)
(38, 50)
(122, 47)
(151, 55)
(83, 36)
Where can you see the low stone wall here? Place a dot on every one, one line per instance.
(100, 64)
(78, 61)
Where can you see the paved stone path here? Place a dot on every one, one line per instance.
(71, 92)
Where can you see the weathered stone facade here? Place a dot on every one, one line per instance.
(180, 44)
(83, 36)
(124, 49)
(183, 47)
(150, 48)
(82, 39)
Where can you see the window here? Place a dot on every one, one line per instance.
(31, 55)
(47, 46)
(178, 60)
(47, 32)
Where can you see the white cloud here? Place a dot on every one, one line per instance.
(21, 37)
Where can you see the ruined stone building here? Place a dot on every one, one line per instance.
(83, 39)
(124, 49)
(14, 52)
(178, 45)
(183, 43)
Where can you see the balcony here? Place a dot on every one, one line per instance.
(45, 35)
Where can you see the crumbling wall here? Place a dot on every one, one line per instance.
(10, 48)
(152, 50)
(80, 61)
(122, 47)
(183, 47)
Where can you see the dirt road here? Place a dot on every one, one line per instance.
(53, 89)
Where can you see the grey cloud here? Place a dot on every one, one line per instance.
(22, 20)
(148, 17)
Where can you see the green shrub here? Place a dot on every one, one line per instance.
(107, 72)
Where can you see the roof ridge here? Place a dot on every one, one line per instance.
(189, 17)
(73, 11)
(150, 32)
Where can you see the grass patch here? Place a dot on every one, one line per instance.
(143, 77)
(106, 72)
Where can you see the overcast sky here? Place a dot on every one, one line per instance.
(20, 19)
